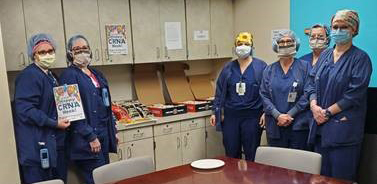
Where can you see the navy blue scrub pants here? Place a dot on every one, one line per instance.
(295, 139)
(339, 162)
(241, 130)
(33, 174)
(61, 169)
(87, 166)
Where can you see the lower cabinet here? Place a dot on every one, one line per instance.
(214, 141)
(171, 144)
(168, 151)
(193, 145)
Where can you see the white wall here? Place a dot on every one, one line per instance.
(260, 17)
(9, 165)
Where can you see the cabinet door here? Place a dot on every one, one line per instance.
(146, 31)
(115, 12)
(81, 17)
(13, 31)
(173, 12)
(168, 151)
(214, 143)
(45, 16)
(114, 157)
(139, 148)
(198, 29)
(222, 28)
(193, 145)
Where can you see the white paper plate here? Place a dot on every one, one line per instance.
(207, 164)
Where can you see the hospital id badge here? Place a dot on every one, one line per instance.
(292, 97)
(241, 88)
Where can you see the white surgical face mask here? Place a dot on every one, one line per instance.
(82, 60)
(46, 60)
(243, 51)
(318, 44)
(286, 51)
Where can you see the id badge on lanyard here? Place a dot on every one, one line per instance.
(241, 88)
(293, 94)
(105, 97)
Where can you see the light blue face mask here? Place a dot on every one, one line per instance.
(341, 37)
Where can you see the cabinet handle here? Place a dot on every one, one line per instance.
(178, 142)
(107, 55)
(185, 140)
(166, 52)
(129, 154)
(193, 125)
(96, 53)
(167, 130)
(139, 135)
(209, 48)
(22, 60)
(216, 50)
(120, 156)
(158, 52)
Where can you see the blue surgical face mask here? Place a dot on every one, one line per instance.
(340, 36)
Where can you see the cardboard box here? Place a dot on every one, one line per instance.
(179, 88)
(149, 91)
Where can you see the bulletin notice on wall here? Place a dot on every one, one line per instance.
(68, 102)
(116, 38)
(173, 37)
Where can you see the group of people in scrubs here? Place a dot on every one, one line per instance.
(314, 103)
(45, 142)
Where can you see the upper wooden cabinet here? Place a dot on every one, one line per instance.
(81, 17)
(222, 28)
(209, 28)
(45, 16)
(13, 32)
(115, 12)
(198, 29)
(173, 30)
(155, 23)
(146, 30)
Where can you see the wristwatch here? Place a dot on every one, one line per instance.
(328, 113)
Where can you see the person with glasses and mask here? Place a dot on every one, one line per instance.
(237, 105)
(284, 91)
(91, 139)
(36, 122)
(319, 40)
(339, 99)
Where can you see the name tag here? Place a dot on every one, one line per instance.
(241, 88)
(292, 97)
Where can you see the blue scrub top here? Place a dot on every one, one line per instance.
(282, 85)
(251, 99)
(344, 83)
(309, 58)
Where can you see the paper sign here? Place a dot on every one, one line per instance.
(201, 35)
(116, 39)
(68, 102)
(173, 37)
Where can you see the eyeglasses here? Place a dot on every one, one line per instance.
(318, 36)
(44, 52)
(79, 50)
(285, 42)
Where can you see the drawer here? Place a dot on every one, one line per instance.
(138, 133)
(192, 124)
(207, 119)
(168, 128)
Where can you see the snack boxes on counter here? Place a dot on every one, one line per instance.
(198, 106)
(131, 112)
(160, 110)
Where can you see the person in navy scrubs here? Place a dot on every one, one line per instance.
(93, 138)
(35, 117)
(319, 40)
(237, 105)
(338, 102)
(284, 90)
